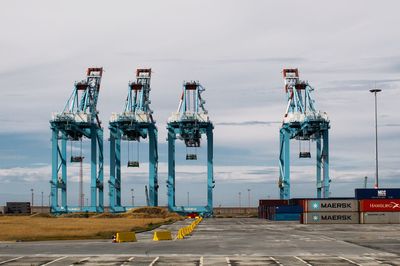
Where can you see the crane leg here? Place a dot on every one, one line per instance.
(171, 168)
(93, 171)
(100, 181)
(153, 161)
(210, 171)
(284, 165)
(117, 182)
(64, 171)
(111, 183)
(325, 156)
(54, 173)
(319, 165)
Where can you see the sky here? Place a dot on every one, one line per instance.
(237, 50)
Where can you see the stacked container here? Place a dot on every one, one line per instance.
(285, 213)
(279, 210)
(379, 206)
(264, 204)
(330, 211)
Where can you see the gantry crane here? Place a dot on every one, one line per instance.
(78, 120)
(134, 123)
(189, 123)
(303, 123)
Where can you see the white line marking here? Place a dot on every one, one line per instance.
(130, 259)
(201, 261)
(276, 261)
(82, 260)
(378, 261)
(303, 261)
(349, 260)
(50, 262)
(154, 261)
(11, 260)
(228, 261)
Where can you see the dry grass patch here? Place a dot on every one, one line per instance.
(96, 226)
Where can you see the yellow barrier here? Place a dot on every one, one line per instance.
(162, 235)
(187, 230)
(125, 237)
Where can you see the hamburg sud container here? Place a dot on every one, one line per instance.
(380, 205)
(381, 193)
(380, 217)
(330, 205)
(330, 218)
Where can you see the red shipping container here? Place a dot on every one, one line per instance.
(380, 205)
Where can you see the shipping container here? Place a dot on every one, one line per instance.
(330, 205)
(262, 212)
(380, 217)
(330, 218)
(18, 207)
(286, 217)
(273, 202)
(380, 205)
(289, 209)
(380, 193)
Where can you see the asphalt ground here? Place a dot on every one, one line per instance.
(235, 241)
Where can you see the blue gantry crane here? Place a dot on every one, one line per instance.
(188, 124)
(134, 123)
(303, 123)
(78, 120)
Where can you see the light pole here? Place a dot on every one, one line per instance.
(133, 197)
(42, 200)
(32, 196)
(248, 195)
(240, 199)
(375, 91)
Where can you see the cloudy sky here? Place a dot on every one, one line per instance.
(237, 50)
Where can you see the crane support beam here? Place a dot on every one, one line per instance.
(303, 123)
(134, 123)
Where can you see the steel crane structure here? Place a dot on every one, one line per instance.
(78, 120)
(134, 123)
(303, 123)
(188, 124)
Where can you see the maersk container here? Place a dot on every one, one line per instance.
(330, 205)
(289, 209)
(380, 205)
(286, 217)
(380, 193)
(330, 218)
(380, 217)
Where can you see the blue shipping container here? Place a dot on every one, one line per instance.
(380, 193)
(287, 217)
(289, 209)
